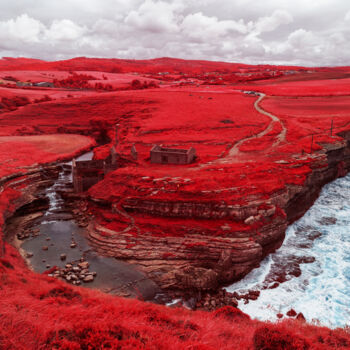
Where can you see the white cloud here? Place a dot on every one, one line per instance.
(64, 30)
(157, 17)
(201, 28)
(308, 33)
(23, 28)
(347, 16)
(270, 23)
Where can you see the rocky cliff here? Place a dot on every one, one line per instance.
(199, 245)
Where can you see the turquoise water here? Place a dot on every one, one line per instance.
(316, 258)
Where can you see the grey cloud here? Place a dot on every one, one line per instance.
(314, 32)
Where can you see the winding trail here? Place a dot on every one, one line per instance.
(234, 152)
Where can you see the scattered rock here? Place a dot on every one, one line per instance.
(74, 273)
(29, 255)
(279, 315)
(73, 245)
(274, 285)
(63, 257)
(300, 317)
(45, 247)
(88, 278)
(84, 265)
(291, 313)
(213, 301)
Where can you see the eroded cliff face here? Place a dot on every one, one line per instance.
(193, 244)
(215, 242)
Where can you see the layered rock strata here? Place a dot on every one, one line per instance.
(202, 260)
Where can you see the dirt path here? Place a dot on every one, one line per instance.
(234, 152)
(282, 135)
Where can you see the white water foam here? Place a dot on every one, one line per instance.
(321, 241)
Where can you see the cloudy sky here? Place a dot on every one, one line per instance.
(304, 32)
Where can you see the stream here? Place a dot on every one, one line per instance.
(56, 230)
(315, 258)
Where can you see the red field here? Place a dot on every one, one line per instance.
(250, 149)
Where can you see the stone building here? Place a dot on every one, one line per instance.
(164, 155)
(87, 173)
(44, 84)
(23, 83)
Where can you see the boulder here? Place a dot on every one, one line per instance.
(83, 265)
(88, 278)
(291, 313)
(197, 278)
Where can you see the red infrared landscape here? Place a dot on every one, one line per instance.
(193, 171)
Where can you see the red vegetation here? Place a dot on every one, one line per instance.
(12, 104)
(75, 81)
(243, 156)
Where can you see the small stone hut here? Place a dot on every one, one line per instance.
(87, 173)
(44, 84)
(23, 83)
(164, 155)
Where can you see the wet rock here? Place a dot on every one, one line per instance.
(197, 278)
(300, 317)
(253, 294)
(88, 278)
(291, 313)
(274, 285)
(328, 221)
(84, 265)
(74, 277)
(217, 300)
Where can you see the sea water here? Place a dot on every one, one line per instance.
(316, 259)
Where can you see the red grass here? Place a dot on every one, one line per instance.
(38, 312)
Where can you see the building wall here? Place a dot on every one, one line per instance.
(88, 173)
(168, 158)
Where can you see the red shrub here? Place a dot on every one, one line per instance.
(276, 337)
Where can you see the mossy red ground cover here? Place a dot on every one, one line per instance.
(39, 312)
(19, 152)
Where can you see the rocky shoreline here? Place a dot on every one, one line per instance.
(231, 257)
(200, 262)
